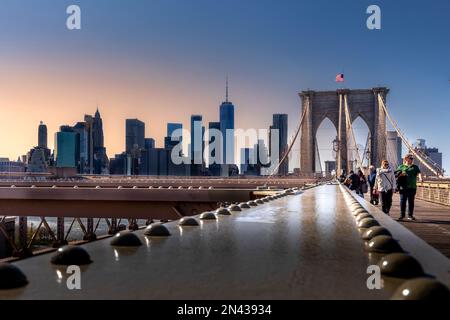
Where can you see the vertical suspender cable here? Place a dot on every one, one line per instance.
(437, 172)
(350, 126)
(288, 150)
(339, 148)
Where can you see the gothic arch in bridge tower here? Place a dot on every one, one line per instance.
(363, 135)
(319, 105)
(326, 133)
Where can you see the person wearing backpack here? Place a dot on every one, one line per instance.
(371, 180)
(385, 184)
(408, 174)
(362, 186)
(353, 180)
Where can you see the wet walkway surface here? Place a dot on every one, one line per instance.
(302, 246)
(432, 223)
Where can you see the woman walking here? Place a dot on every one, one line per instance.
(385, 184)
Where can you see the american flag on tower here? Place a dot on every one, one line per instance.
(340, 77)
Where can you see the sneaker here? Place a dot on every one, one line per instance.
(400, 218)
(411, 218)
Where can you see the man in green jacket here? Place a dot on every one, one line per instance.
(410, 172)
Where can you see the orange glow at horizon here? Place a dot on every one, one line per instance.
(63, 94)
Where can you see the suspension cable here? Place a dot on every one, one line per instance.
(318, 155)
(437, 170)
(366, 148)
(350, 127)
(291, 144)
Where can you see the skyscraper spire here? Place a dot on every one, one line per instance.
(226, 93)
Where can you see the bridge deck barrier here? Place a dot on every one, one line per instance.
(303, 246)
(297, 247)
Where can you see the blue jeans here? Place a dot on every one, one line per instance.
(407, 196)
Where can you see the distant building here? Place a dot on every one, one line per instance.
(169, 141)
(135, 134)
(11, 166)
(92, 158)
(393, 150)
(244, 160)
(227, 126)
(144, 161)
(158, 162)
(134, 146)
(67, 148)
(85, 129)
(280, 123)
(149, 143)
(97, 131)
(118, 164)
(262, 158)
(195, 147)
(171, 127)
(432, 153)
(38, 160)
(42, 135)
(100, 159)
(249, 165)
(227, 129)
(420, 144)
(85, 141)
(214, 168)
(330, 166)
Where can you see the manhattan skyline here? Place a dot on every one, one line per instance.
(162, 61)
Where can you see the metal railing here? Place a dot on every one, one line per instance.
(26, 243)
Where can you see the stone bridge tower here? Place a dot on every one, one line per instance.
(319, 105)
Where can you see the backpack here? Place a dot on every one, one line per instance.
(401, 180)
(364, 187)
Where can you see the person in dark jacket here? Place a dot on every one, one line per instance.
(371, 180)
(354, 181)
(362, 186)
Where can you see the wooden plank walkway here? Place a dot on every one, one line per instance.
(432, 224)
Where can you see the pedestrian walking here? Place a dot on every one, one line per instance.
(409, 173)
(362, 188)
(385, 185)
(371, 180)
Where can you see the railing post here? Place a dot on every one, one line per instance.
(132, 224)
(113, 227)
(448, 195)
(23, 250)
(23, 232)
(90, 235)
(60, 237)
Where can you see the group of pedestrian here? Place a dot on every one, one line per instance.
(384, 181)
(357, 182)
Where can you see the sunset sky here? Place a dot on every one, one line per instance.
(163, 60)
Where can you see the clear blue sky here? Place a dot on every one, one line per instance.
(270, 49)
